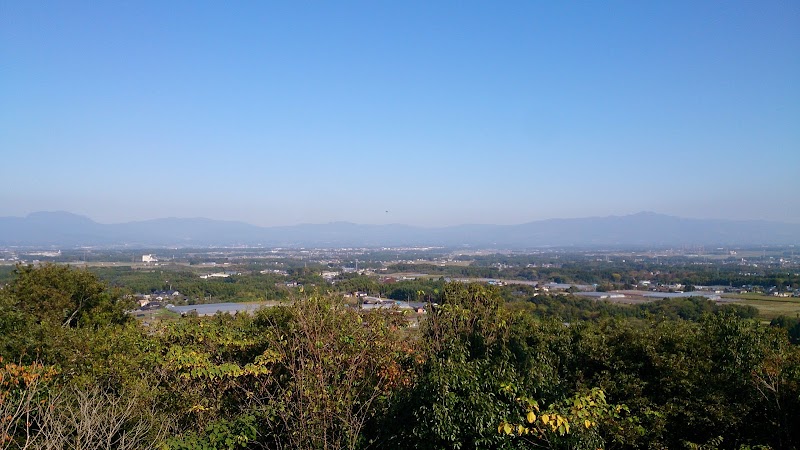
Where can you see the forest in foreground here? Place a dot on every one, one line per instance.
(78, 372)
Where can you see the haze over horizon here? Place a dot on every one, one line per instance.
(644, 229)
(418, 113)
(60, 214)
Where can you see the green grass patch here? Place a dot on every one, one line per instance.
(769, 307)
(762, 297)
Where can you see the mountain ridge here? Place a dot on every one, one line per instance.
(65, 229)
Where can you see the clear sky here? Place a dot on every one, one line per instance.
(425, 113)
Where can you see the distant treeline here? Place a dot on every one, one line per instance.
(571, 308)
(617, 274)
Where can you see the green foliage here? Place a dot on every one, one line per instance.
(693, 308)
(220, 434)
(415, 290)
(694, 381)
(571, 308)
(457, 400)
(315, 373)
(205, 362)
(573, 423)
(61, 295)
(333, 367)
(791, 325)
(43, 308)
(360, 283)
(18, 330)
(248, 287)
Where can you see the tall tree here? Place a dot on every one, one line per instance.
(56, 294)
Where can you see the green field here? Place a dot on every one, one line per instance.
(769, 307)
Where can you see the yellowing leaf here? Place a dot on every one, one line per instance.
(507, 428)
(531, 417)
(587, 423)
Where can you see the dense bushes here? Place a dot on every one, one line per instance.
(317, 374)
(791, 325)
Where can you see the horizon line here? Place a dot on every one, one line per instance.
(332, 222)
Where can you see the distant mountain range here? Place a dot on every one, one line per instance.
(62, 229)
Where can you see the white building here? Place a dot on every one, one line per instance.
(149, 259)
(215, 275)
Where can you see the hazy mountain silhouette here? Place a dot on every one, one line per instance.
(643, 229)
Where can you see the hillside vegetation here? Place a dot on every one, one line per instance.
(476, 373)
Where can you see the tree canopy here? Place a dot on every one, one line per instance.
(473, 373)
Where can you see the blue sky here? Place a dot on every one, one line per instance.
(424, 113)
